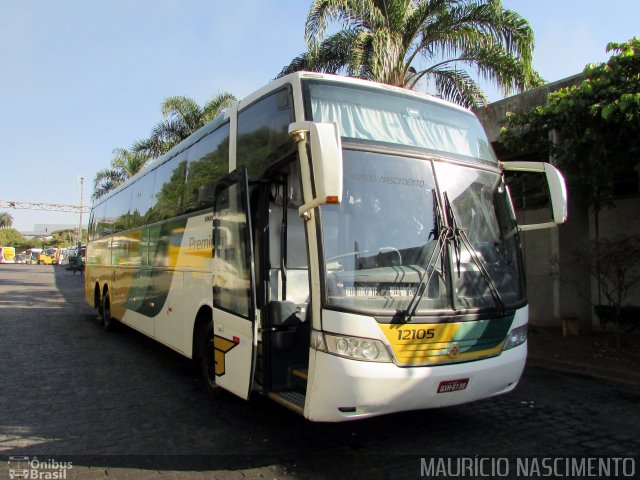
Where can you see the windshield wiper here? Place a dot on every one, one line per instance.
(460, 235)
(438, 250)
(430, 269)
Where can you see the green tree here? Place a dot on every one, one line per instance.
(124, 165)
(6, 220)
(406, 42)
(592, 131)
(63, 238)
(595, 126)
(182, 117)
(10, 237)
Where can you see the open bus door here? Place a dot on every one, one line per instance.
(233, 280)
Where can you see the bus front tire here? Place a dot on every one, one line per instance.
(207, 360)
(108, 322)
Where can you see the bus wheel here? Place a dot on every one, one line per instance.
(108, 322)
(97, 302)
(208, 361)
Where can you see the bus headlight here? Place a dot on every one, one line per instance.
(516, 337)
(356, 348)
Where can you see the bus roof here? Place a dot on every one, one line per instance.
(292, 78)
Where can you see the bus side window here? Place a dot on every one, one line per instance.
(119, 208)
(208, 164)
(263, 133)
(142, 201)
(168, 189)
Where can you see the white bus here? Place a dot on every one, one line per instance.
(346, 248)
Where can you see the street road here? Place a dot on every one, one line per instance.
(123, 405)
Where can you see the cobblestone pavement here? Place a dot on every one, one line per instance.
(123, 406)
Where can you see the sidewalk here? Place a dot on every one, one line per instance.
(593, 353)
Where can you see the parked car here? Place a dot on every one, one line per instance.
(21, 258)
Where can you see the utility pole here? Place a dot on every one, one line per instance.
(81, 198)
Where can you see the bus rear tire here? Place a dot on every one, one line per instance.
(208, 361)
(108, 322)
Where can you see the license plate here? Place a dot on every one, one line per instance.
(453, 385)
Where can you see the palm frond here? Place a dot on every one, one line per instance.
(335, 54)
(106, 180)
(216, 105)
(456, 86)
(350, 14)
(179, 106)
(476, 26)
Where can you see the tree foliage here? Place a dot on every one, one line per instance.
(63, 238)
(182, 117)
(406, 42)
(596, 125)
(6, 220)
(10, 237)
(124, 165)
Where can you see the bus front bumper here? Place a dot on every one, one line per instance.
(343, 389)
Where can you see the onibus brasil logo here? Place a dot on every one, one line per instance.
(32, 468)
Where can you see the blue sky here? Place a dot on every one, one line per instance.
(82, 78)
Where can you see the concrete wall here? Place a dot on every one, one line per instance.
(493, 116)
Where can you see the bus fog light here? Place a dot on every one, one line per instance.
(516, 337)
(357, 348)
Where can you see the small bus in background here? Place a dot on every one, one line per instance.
(7, 254)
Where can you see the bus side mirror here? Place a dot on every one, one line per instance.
(326, 160)
(545, 177)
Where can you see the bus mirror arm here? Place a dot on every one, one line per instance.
(325, 165)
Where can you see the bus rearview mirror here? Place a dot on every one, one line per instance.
(325, 148)
(556, 185)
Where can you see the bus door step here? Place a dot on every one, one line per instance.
(291, 400)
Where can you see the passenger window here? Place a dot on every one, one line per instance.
(142, 200)
(119, 207)
(168, 190)
(208, 164)
(263, 133)
(99, 220)
(92, 225)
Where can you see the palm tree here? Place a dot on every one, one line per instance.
(6, 220)
(125, 164)
(412, 42)
(182, 116)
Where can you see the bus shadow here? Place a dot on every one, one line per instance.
(69, 284)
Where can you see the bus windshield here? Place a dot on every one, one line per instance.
(364, 114)
(386, 237)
